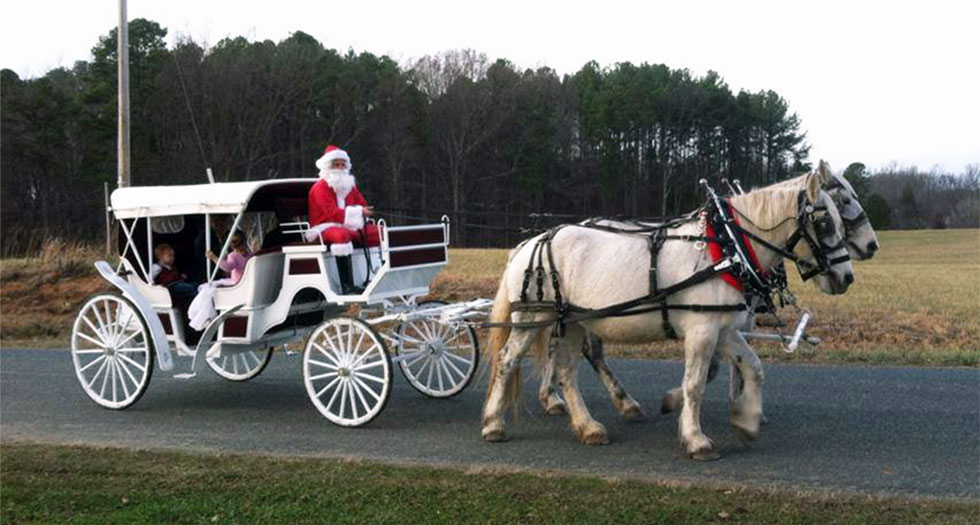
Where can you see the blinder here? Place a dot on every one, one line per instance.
(823, 226)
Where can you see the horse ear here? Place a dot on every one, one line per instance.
(823, 172)
(813, 185)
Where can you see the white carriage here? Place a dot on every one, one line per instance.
(289, 291)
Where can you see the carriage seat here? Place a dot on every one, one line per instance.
(158, 296)
(260, 284)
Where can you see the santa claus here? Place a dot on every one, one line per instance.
(337, 212)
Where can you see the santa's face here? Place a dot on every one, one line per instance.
(338, 164)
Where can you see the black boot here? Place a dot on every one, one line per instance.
(345, 270)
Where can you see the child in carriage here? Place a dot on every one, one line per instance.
(202, 309)
(165, 273)
(234, 262)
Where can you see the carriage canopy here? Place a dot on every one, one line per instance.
(222, 197)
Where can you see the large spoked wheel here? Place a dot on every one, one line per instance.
(241, 366)
(112, 351)
(438, 359)
(347, 371)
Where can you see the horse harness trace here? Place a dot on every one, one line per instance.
(738, 259)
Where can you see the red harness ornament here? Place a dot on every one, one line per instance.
(717, 253)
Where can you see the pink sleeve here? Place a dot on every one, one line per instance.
(232, 261)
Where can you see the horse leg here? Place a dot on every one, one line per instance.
(698, 347)
(747, 404)
(547, 395)
(501, 393)
(674, 400)
(588, 430)
(624, 403)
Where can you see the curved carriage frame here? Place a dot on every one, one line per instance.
(288, 291)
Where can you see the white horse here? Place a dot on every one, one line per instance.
(861, 241)
(599, 269)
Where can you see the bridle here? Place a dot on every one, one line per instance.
(808, 214)
(839, 193)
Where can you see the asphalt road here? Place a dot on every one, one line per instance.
(878, 430)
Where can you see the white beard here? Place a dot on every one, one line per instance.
(341, 181)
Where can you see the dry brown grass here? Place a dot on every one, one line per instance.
(916, 302)
(39, 296)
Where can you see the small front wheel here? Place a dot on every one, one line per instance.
(438, 359)
(112, 351)
(347, 371)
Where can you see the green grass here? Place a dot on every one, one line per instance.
(57, 484)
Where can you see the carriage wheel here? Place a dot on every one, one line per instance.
(439, 359)
(347, 371)
(112, 351)
(241, 366)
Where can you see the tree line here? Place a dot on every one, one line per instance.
(497, 148)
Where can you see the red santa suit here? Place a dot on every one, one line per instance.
(336, 209)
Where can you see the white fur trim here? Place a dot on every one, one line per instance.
(354, 217)
(324, 162)
(314, 232)
(340, 250)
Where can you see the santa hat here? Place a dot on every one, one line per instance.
(330, 154)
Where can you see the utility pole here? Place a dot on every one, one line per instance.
(122, 54)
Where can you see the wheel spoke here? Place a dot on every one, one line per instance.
(323, 376)
(369, 377)
(324, 365)
(114, 373)
(98, 372)
(356, 385)
(103, 329)
(92, 351)
(224, 363)
(343, 397)
(234, 363)
(327, 354)
(132, 349)
(132, 362)
(96, 360)
(428, 381)
(459, 359)
(129, 338)
(447, 363)
(324, 389)
(363, 356)
(95, 331)
(111, 327)
(418, 330)
(414, 359)
(376, 396)
(353, 403)
(372, 364)
(410, 339)
(439, 374)
(122, 378)
(254, 356)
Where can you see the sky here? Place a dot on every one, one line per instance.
(874, 82)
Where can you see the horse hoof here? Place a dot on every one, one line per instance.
(556, 409)
(595, 438)
(704, 455)
(494, 435)
(745, 436)
(633, 413)
(594, 434)
(667, 404)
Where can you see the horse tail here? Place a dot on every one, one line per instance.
(500, 313)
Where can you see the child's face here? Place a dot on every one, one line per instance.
(167, 258)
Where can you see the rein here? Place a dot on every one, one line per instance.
(732, 237)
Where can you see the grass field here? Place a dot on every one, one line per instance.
(49, 484)
(916, 302)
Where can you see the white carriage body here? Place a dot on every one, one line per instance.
(278, 284)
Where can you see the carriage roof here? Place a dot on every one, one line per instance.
(221, 197)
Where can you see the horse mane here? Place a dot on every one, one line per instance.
(769, 207)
